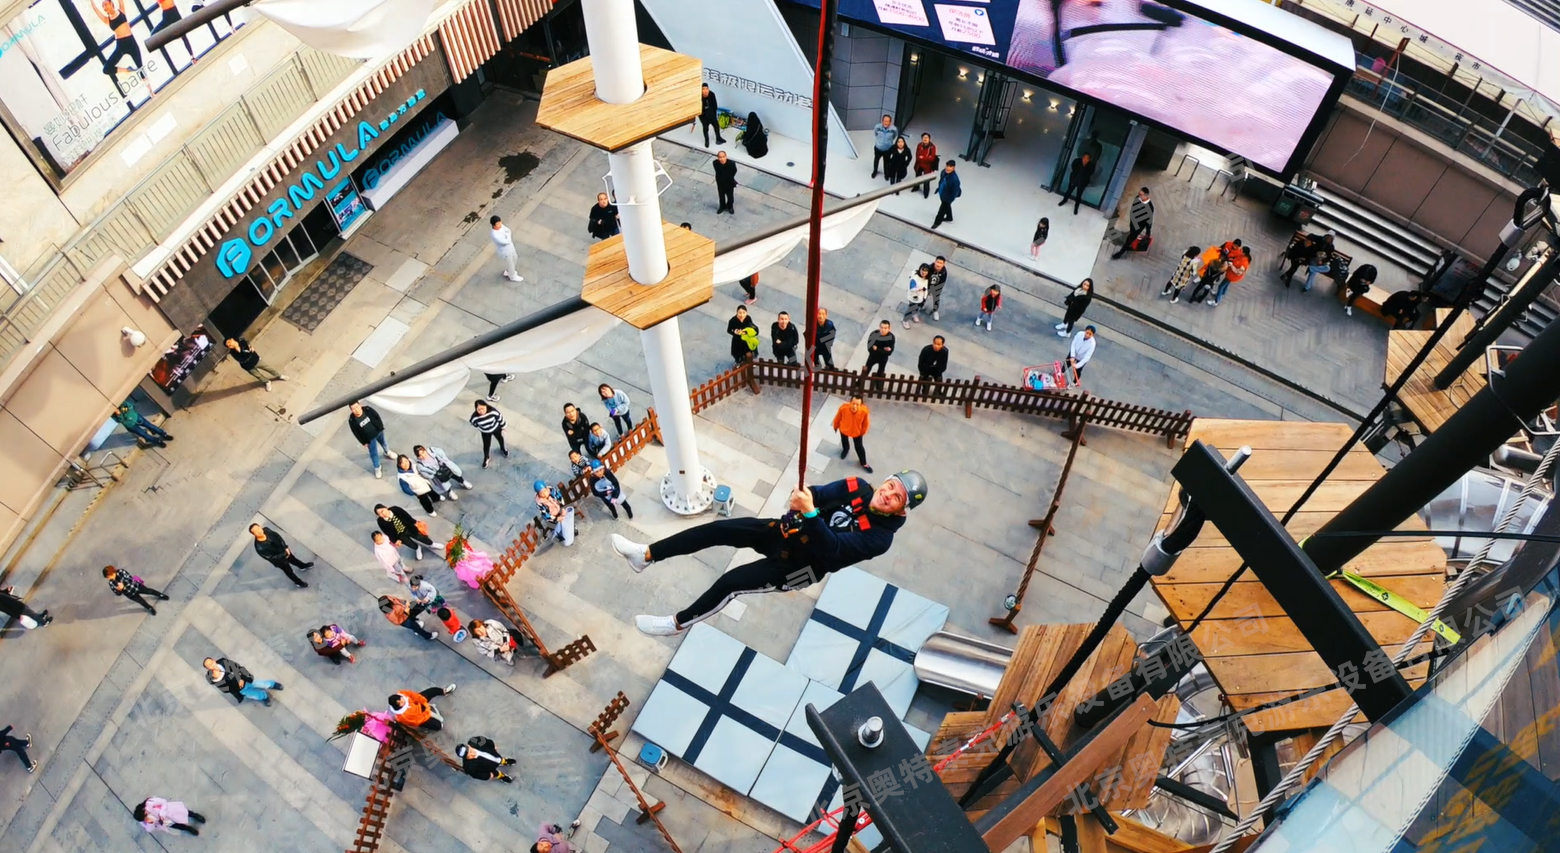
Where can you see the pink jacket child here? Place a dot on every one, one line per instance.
(389, 557)
(550, 839)
(156, 813)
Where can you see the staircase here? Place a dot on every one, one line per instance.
(1398, 245)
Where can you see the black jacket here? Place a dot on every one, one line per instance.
(575, 432)
(12, 606)
(1078, 301)
(124, 583)
(366, 427)
(234, 678)
(725, 173)
(387, 525)
(826, 333)
(603, 220)
(1082, 173)
(898, 161)
(274, 548)
(784, 340)
(933, 362)
(246, 357)
(709, 108)
(936, 279)
(880, 344)
(845, 531)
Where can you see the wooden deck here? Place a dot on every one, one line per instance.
(1253, 649)
(1125, 779)
(1428, 406)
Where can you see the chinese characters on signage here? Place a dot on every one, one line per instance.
(734, 82)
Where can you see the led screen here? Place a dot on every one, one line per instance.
(1160, 62)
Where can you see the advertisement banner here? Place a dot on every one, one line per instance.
(71, 71)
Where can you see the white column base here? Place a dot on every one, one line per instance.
(700, 500)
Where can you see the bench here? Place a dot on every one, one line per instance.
(1338, 269)
(1369, 301)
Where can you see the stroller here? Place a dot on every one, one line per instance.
(754, 137)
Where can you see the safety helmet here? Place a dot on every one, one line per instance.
(538, 485)
(915, 487)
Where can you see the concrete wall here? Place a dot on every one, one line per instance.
(1402, 172)
(865, 76)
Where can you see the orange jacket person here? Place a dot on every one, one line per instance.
(112, 14)
(852, 422)
(411, 709)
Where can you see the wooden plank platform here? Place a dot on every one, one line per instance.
(569, 104)
(1252, 647)
(1041, 652)
(1428, 406)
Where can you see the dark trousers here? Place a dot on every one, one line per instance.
(1070, 317)
(771, 573)
(878, 156)
(784, 355)
(286, 565)
(431, 694)
(823, 355)
(926, 189)
(17, 746)
(708, 123)
(861, 450)
(622, 423)
(878, 360)
(428, 499)
(1074, 192)
(493, 380)
(724, 193)
(749, 287)
(612, 508)
(1132, 234)
(411, 621)
(487, 444)
(136, 596)
(936, 390)
(944, 212)
(934, 296)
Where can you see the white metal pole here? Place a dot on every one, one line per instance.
(689, 487)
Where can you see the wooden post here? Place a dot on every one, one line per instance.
(568, 655)
(647, 812)
(748, 369)
(969, 397)
(1075, 422)
(1047, 530)
(601, 728)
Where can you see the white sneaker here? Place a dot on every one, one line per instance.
(419, 552)
(466, 483)
(1174, 299)
(1212, 302)
(379, 473)
(657, 626)
(631, 551)
(1060, 333)
(268, 385)
(1349, 310)
(454, 496)
(1060, 326)
(493, 397)
(434, 513)
(936, 315)
(281, 379)
(509, 377)
(448, 689)
(977, 321)
(988, 325)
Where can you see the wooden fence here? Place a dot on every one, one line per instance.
(974, 393)
(391, 760)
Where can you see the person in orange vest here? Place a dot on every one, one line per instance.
(852, 422)
(412, 708)
(1240, 262)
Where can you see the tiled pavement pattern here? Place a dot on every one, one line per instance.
(326, 292)
(122, 712)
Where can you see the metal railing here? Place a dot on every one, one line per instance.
(148, 213)
(1464, 130)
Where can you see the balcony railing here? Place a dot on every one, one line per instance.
(148, 213)
(1467, 132)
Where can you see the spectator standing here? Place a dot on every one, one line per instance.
(603, 218)
(122, 583)
(749, 287)
(232, 678)
(915, 300)
(1078, 180)
(604, 484)
(479, 759)
(557, 517)
(925, 162)
(439, 469)
(1358, 285)
(493, 640)
(948, 189)
(579, 466)
(493, 380)
(549, 839)
(1076, 303)
(744, 335)
(852, 421)
(489, 422)
(273, 549)
(990, 302)
(1208, 277)
(401, 529)
(19, 746)
(389, 557)
(725, 184)
(880, 345)
(784, 338)
(424, 592)
(935, 280)
(127, 417)
(369, 430)
(412, 708)
(597, 442)
(416, 485)
(1240, 262)
(398, 612)
(896, 164)
(1042, 233)
(504, 242)
(250, 361)
(823, 340)
(14, 607)
(575, 427)
(709, 115)
(616, 402)
(933, 363)
(1185, 273)
(1080, 351)
(1140, 220)
(883, 137)
(156, 814)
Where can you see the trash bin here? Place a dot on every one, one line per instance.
(1284, 207)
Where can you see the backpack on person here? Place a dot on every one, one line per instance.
(395, 609)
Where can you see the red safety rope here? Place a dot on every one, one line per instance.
(828, 10)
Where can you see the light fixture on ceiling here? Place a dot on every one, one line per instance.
(136, 337)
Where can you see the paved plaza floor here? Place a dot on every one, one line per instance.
(115, 698)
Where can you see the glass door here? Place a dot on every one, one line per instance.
(1101, 133)
(911, 67)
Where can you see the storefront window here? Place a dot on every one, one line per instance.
(74, 70)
